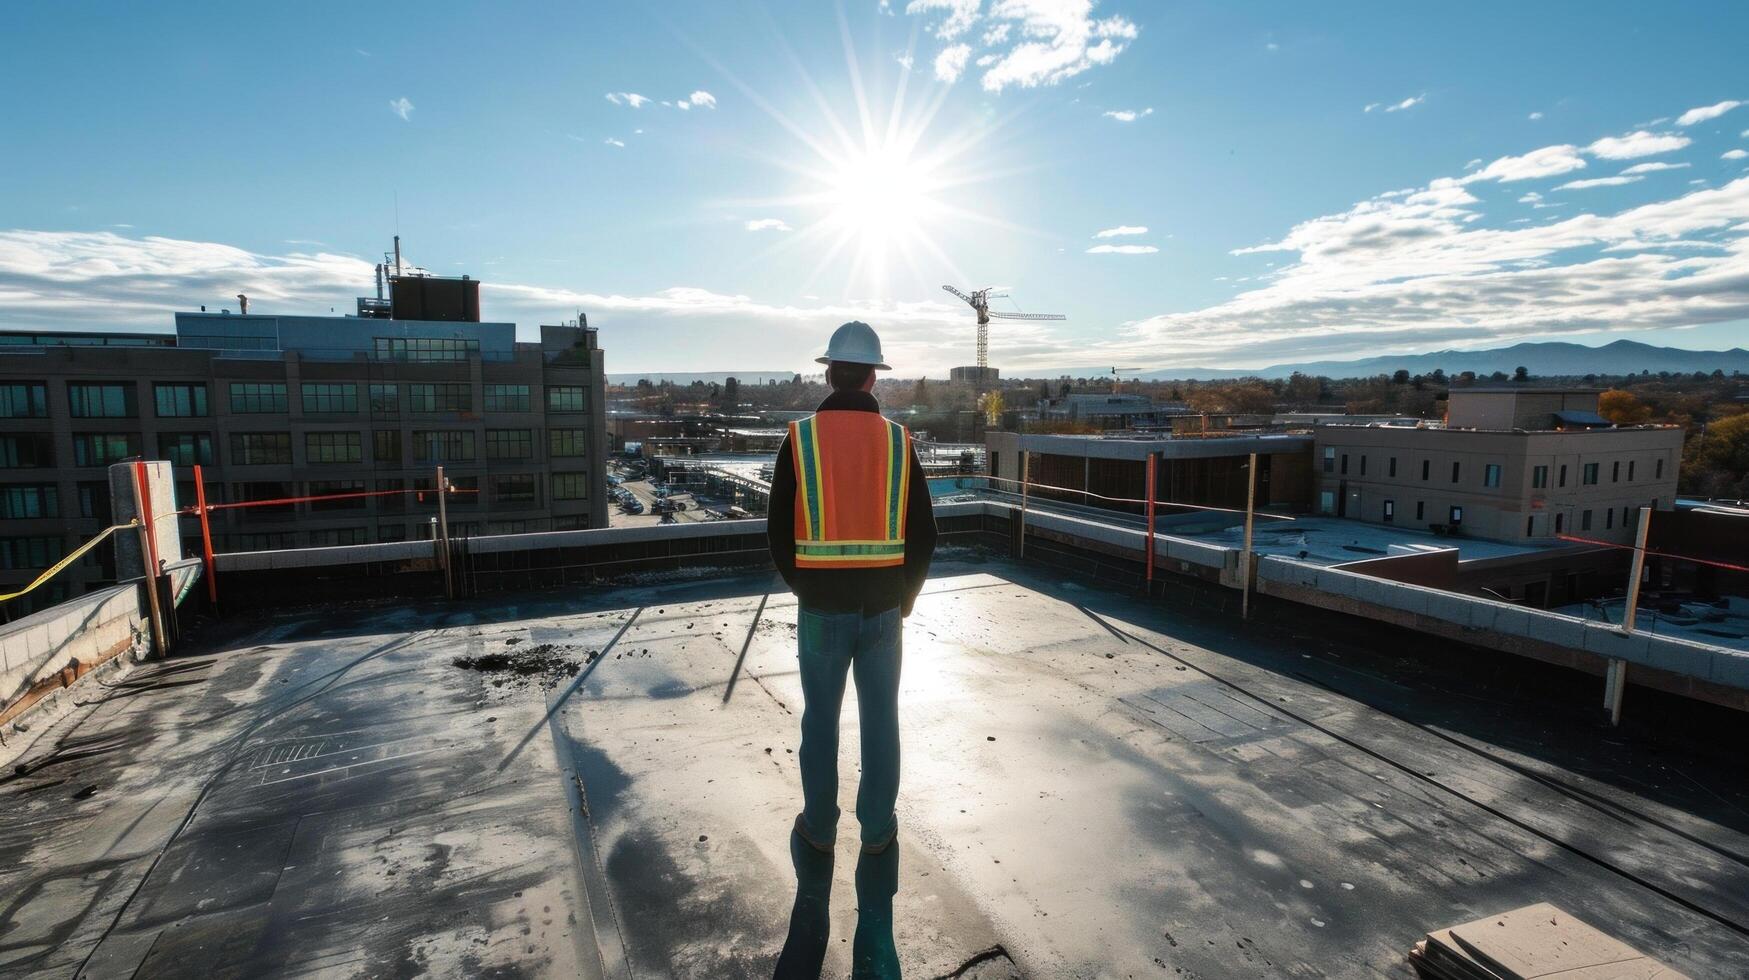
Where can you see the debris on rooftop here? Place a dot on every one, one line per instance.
(1535, 941)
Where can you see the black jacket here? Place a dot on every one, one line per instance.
(851, 589)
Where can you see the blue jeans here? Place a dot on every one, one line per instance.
(832, 645)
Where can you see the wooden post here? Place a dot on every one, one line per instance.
(206, 539)
(149, 557)
(1614, 685)
(1245, 558)
(1639, 568)
(1025, 486)
(442, 534)
(1153, 459)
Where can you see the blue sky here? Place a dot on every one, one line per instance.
(717, 184)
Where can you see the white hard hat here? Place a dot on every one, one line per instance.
(855, 343)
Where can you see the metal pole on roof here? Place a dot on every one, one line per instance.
(1639, 567)
(1025, 485)
(206, 538)
(1153, 460)
(442, 534)
(1245, 556)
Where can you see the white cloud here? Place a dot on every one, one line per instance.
(1639, 143)
(1121, 231)
(1272, 46)
(1535, 116)
(1549, 161)
(951, 62)
(702, 99)
(1579, 185)
(401, 107)
(1530, 197)
(905, 60)
(959, 17)
(767, 224)
(1128, 115)
(1033, 42)
(1370, 106)
(632, 99)
(1652, 168)
(1415, 271)
(1122, 250)
(610, 141)
(1734, 154)
(1408, 103)
(1703, 113)
(89, 279)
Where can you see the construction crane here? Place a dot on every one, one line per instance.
(1117, 374)
(979, 300)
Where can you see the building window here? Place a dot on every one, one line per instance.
(1630, 470)
(1363, 464)
(386, 445)
(258, 398)
(568, 442)
(1563, 481)
(567, 398)
(20, 502)
(1658, 469)
(1391, 467)
(456, 446)
(104, 448)
(265, 541)
(101, 401)
(1539, 478)
(1589, 475)
(330, 537)
(1491, 475)
(1345, 464)
(570, 486)
(175, 401)
(1327, 502)
(186, 448)
(1609, 518)
(1626, 516)
(1454, 471)
(1615, 472)
(1457, 516)
(1426, 469)
(387, 533)
(1421, 510)
(1390, 511)
(330, 399)
(1530, 526)
(343, 495)
(333, 447)
(27, 400)
(26, 450)
(1329, 459)
(394, 496)
(385, 399)
(509, 443)
(515, 490)
(1584, 520)
(36, 552)
(425, 348)
(507, 398)
(94, 500)
(1558, 521)
(430, 399)
(261, 448)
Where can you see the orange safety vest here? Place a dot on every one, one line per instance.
(853, 471)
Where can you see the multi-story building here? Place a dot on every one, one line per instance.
(276, 407)
(1509, 463)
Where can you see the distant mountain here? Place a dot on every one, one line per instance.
(708, 377)
(1554, 359)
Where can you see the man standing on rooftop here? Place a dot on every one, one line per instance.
(852, 532)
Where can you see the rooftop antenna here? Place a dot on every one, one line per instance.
(979, 300)
(397, 247)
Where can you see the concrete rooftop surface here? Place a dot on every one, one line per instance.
(1095, 785)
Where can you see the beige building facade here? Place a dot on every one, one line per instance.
(1510, 465)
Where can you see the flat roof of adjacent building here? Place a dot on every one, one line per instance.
(584, 783)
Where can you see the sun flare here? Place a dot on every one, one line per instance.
(880, 195)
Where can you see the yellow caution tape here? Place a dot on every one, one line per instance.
(70, 559)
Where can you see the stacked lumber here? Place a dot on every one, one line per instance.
(1532, 942)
